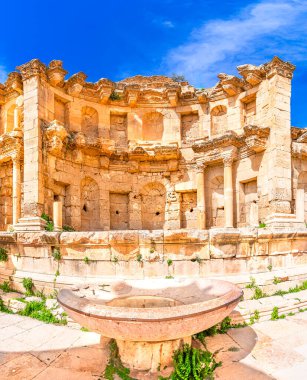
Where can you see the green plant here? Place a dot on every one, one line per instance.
(115, 96)
(57, 273)
(262, 225)
(193, 364)
(178, 78)
(169, 277)
(6, 287)
(139, 258)
(3, 308)
(27, 283)
(115, 369)
(49, 223)
(276, 280)
(196, 259)
(56, 254)
(3, 254)
(275, 314)
(169, 262)
(86, 260)
(270, 267)
(115, 259)
(67, 228)
(84, 329)
(258, 293)
(252, 284)
(254, 317)
(152, 250)
(38, 310)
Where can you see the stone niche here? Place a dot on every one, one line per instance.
(152, 126)
(118, 129)
(59, 110)
(249, 110)
(218, 120)
(153, 197)
(90, 205)
(248, 204)
(189, 127)
(89, 123)
(6, 202)
(188, 210)
(119, 211)
(215, 202)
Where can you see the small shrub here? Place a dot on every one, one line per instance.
(139, 258)
(258, 293)
(254, 317)
(3, 254)
(27, 283)
(178, 78)
(262, 225)
(270, 267)
(276, 280)
(56, 254)
(6, 287)
(3, 308)
(152, 250)
(39, 311)
(115, 96)
(86, 260)
(169, 277)
(252, 284)
(49, 223)
(169, 262)
(193, 363)
(84, 329)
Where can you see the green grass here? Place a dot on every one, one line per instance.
(3, 254)
(5, 286)
(28, 284)
(38, 310)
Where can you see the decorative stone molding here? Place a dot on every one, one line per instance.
(56, 73)
(131, 93)
(105, 89)
(11, 146)
(252, 74)
(14, 82)
(230, 84)
(173, 92)
(256, 138)
(154, 152)
(279, 67)
(55, 135)
(75, 84)
(33, 68)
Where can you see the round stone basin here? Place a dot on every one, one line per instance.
(150, 319)
(151, 310)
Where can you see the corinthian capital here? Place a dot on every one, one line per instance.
(32, 68)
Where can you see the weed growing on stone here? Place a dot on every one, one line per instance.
(86, 260)
(139, 258)
(115, 367)
(254, 317)
(115, 259)
(197, 259)
(193, 363)
(56, 254)
(275, 314)
(169, 262)
(49, 222)
(28, 284)
(3, 308)
(67, 228)
(276, 280)
(38, 310)
(169, 277)
(6, 287)
(84, 329)
(270, 267)
(115, 96)
(3, 254)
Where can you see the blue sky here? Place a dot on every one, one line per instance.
(196, 38)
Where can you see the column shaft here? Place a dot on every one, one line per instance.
(228, 194)
(201, 216)
(16, 190)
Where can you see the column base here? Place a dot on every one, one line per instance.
(280, 220)
(149, 356)
(34, 223)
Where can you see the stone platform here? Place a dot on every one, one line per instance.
(30, 350)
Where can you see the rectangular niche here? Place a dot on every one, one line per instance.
(119, 215)
(249, 110)
(188, 210)
(59, 110)
(249, 203)
(118, 129)
(189, 127)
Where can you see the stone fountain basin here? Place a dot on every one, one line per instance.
(151, 310)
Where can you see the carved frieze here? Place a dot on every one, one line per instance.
(56, 73)
(75, 84)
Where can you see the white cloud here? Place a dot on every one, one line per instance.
(168, 24)
(3, 74)
(258, 32)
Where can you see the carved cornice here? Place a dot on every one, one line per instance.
(105, 89)
(14, 83)
(231, 84)
(230, 138)
(75, 84)
(279, 67)
(153, 152)
(252, 74)
(56, 73)
(33, 68)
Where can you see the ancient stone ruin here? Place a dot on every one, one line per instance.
(157, 178)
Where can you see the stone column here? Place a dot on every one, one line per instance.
(16, 189)
(228, 193)
(300, 205)
(34, 87)
(200, 179)
(57, 215)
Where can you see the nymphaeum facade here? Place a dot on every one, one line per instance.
(149, 152)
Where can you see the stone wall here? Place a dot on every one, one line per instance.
(149, 254)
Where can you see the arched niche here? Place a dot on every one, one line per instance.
(153, 196)
(89, 122)
(10, 117)
(216, 205)
(90, 205)
(218, 120)
(152, 126)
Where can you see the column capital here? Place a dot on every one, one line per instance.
(33, 68)
(228, 161)
(279, 67)
(200, 166)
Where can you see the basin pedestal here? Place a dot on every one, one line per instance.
(149, 356)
